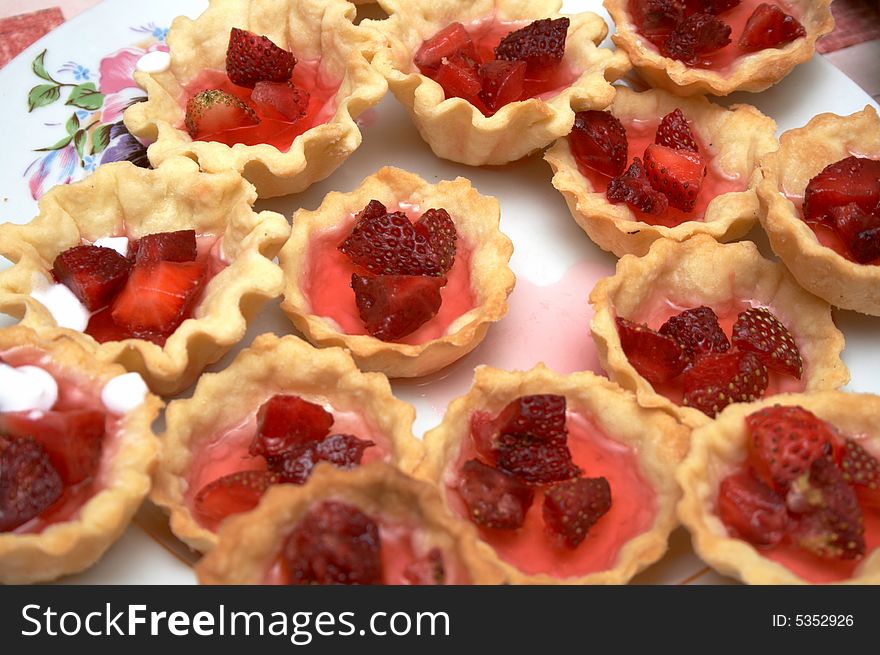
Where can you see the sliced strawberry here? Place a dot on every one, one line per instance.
(427, 570)
(251, 58)
(751, 510)
(494, 499)
(698, 332)
(158, 295)
(634, 188)
(859, 231)
(598, 140)
(698, 34)
(540, 44)
(502, 82)
(861, 470)
(29, 484)
(393, 306)
(851, 180)
(655, 356)
(334, 543)
(437, 226)
(232, 494)
(284, 97)
(535, 460)
(678, 174)
(541, 416)
(674, 132)
(719, 379)
(342, 450)
(179, 246)
(572, 508)
(656, 19)
(212, 111)
(102, 328)
(287, 421)
(459, 75)
(73, 439)
(831, 523)
(714, 7)
(448, 42)
(759, 331)
(784, 442)
(769, 27)
(94, 274)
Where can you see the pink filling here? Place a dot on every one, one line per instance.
(327, 285)
(533, 550)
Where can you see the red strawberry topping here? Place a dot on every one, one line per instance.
(393, 306)
(459, 75)
(657, 357)
(285, 422)
(535, 460)
(540, 44)
(634, 188)
(718, 379)
(769, 27)
(232, 494)
(334, 543)
(94, 274)
(437, 226)
(859, 231)
(251, 58)
(851, 180)
(657, 18)
(212, 111)
(494, 499)
(284, 97)
(678, 174)
(598, 140)
(502, 82)
(572, 508)
(757, 330)
(29, 484)
(177, 246)
(698, 332)
(715, 7)
(451, 40)
(751, 510)
(427, 570)
(541, 416)
(861, 470)
(674, 132)
(698, 34)
(342, 450)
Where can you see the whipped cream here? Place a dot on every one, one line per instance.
(157, 61)
(26, 388)
(124, 393)
(65, 307)
(119, 244)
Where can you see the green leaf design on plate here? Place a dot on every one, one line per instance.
(79, 142)
(101, 138)
(39, 67)
(58, 146)
(72, 124)
(42, 95)
(86, 96)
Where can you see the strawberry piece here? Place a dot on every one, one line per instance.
(342, 450)
(634, 188)
(73, 439)
(334, 543)
(784, 442)
(157, 296)
(389, 244)
(102, 328)
(494, 499)
(213, 110)
(714, 7)
(769, 27)
(393, 306)
(94, 274)
(179, 246)
(718, 379)
(831, 523)
(502, 82)
(657, 357)
(541, 44)
(285, 422)
(284, 97)
(427, 570)
(232, 494)
(451, 40)
(437, 226)
(851, 180)
(29, 484)
(674, 132)
(535, 460)
(861, 470)
(751, 510)
(678, 174)
(251, 58)
(572, 508)
(459, 76)
(698, 332)
(759, 331)
(698, 34)
(541, 416)
(656, 19)
(598, 140)
(858, 230)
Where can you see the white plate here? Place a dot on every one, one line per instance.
(556, 264)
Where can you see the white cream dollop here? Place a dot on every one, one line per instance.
(65, 307)
(124, 393)
(157, 61)
(119, 244)
(26, 388)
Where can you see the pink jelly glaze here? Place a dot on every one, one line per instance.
(74, 392)
(721, 61)
(640, 134)
(327, 284)
(273, 129)
(532, 549)
(656, 312)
